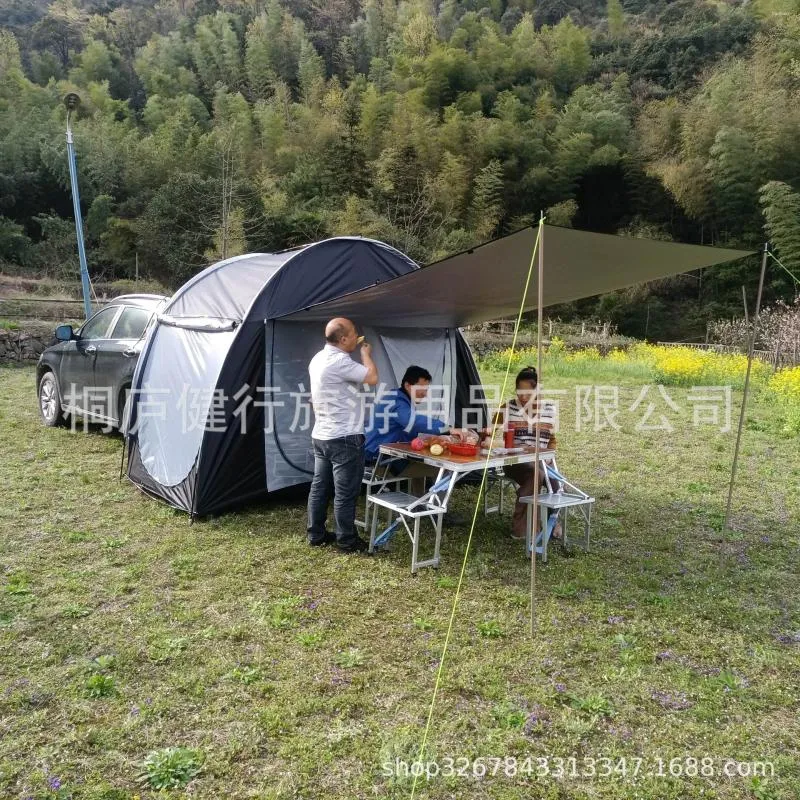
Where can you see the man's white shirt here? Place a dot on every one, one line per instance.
(335, 382)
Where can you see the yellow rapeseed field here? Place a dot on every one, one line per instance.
(670, 366)
(784, 386)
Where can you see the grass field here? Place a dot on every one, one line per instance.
(289, 672)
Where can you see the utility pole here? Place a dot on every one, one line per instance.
(72, 101)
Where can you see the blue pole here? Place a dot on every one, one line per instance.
(76, 205)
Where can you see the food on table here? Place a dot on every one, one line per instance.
(472, 437)
(464, 449)
(436, 449)
(417, 444)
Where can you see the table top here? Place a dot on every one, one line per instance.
(499, 457)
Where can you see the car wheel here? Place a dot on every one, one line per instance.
(50, 401)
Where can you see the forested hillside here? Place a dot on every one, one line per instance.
(211, 128)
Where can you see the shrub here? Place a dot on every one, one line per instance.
(171, 768)
(99, 685)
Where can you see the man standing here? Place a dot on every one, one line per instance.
(338, 434)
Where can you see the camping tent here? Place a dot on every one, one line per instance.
(220, 411)
(217, 411)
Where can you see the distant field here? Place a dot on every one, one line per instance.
(298, 673)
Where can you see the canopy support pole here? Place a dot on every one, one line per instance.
(750, 348)
(536, 465)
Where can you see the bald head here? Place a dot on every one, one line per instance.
(338, 329)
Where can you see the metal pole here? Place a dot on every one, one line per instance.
(76, 205)
(750, 348)
(744, 301)
(536, 467)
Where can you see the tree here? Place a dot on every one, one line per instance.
(562, 213)
(562, 55)
(780, 205)
(98, 216)
(172, 238)
(419, 33)
(616, 19)
(404, 198)
(164, 65)
(61, 30)
(56, 254)
(216, 52)
(9, 55)
(734, 170)
(486, 209)
(311, 73)
(259, 68)
(98, 63)
(14, 244)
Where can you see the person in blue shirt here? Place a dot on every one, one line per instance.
(395, 419)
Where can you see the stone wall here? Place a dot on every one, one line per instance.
(25, 343)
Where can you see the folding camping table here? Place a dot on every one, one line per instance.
(408, 510)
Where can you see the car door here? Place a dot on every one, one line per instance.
(116, 358)
(76, 373)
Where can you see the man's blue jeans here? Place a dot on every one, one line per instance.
(338, 472)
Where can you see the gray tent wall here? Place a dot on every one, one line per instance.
(290, 346)
(219, 334)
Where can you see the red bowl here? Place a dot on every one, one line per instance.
(463, 449)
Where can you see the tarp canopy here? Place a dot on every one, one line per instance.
(487, 281)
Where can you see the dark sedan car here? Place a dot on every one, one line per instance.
(88, 372)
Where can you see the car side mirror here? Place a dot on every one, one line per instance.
(64, 333)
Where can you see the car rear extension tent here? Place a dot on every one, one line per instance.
(217, 392)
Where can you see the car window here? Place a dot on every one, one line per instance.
(131, 324)
(97, 327)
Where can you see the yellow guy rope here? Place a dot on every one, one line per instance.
(475, 515)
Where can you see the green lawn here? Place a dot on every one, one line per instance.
(296, 673)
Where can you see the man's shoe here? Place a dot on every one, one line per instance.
(357, 545)
(328, 538)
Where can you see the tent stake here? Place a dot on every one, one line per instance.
(122, 460)
(539, 323)
(750, 349)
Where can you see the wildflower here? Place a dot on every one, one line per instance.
(538, 717)
(666, 655)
